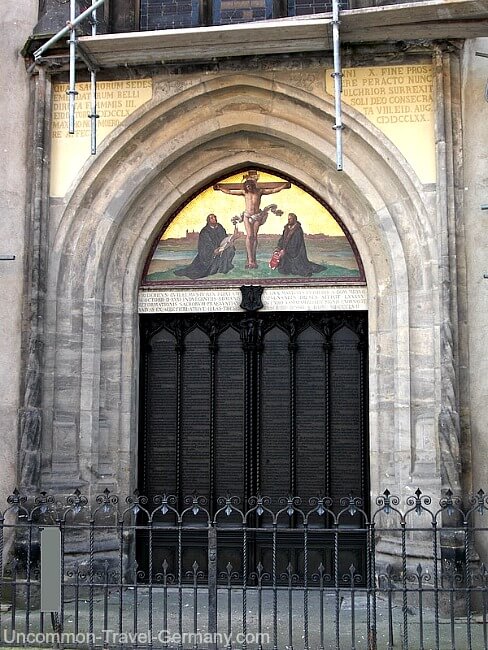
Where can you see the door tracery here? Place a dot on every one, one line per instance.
(254, 403)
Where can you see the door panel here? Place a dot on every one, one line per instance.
(243, 404)
(347, 429)
(159, 406)
(311, 406)
(195, 414)
(274, 402)
(229, 415)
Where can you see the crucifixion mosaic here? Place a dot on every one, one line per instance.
(253, 226)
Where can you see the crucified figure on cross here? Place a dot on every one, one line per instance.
(253, 217)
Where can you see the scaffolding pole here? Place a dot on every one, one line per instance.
(71, 92)
(337, 75)
(74, 20)
(93, 89)
(69, 26)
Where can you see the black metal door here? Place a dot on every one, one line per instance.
(246, 404)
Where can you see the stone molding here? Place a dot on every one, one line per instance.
(100, 238)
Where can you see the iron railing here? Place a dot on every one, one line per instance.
(259, 575)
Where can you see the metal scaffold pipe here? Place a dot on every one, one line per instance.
(72, 68)
(337, 75)
(71, 25)
(74, 20)
(93, 89)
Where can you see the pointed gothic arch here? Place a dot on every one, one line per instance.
(145, 170)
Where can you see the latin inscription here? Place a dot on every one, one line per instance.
(390, 95)
(274, 299)
(399, 101)
(116, 100)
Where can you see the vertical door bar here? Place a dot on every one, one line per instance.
(213, 347)
(258, 352)
(292, 348)
(327, 350)
(252, 411)
(247, 414)
(179, 347)
(251, 343)
(363, 412)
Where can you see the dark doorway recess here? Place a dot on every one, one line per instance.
(247, 404)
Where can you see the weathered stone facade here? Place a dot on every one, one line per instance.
(421, 246)
(472, 285)
(15, 194)
(179, 142)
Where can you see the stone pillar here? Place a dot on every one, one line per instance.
(447, 211)
(16, 23)
(34, 287)
(449, 169)
(475, 223)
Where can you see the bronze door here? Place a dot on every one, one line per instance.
(245, 404)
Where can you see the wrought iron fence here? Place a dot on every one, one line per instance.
(255, 575)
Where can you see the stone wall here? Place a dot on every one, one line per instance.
(16, 23)
(475, 225)
(199, 126)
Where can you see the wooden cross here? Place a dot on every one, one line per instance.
(251, 175)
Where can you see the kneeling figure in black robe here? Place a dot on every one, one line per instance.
(293, 257)
(209, 259)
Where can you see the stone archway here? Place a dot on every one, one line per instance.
(149, 167)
